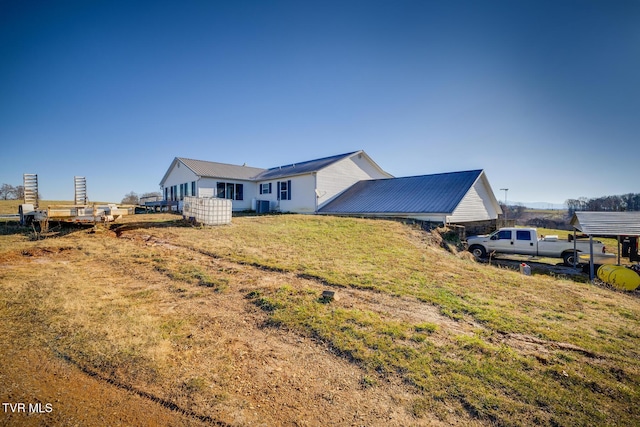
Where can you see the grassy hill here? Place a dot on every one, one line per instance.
(227, 325)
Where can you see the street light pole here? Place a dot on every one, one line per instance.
(506, 210)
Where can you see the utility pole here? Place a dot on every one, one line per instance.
(506, 209)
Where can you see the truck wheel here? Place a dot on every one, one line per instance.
(567, 257)
(478, 251)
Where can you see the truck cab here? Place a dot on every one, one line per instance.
(514, 241)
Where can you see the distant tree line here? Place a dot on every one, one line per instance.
(625, 203)
(9, 192)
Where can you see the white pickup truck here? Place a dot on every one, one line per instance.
(525, 241)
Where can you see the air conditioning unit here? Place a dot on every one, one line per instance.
(262, 206)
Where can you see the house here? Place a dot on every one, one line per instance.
(298, 187)
(346, 184)
(458, 197)
(188, 177)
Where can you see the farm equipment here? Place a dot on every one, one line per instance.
(81, 212)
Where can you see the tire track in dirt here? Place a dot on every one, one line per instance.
(149, 396)
(388, 306)
(280, 377)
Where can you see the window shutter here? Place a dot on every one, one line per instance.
(278, 187)
(289, 190)
(270, 190)
(260, 188)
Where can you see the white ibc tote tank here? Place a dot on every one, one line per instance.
(207, 210)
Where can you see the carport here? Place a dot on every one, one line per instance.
(608, 224)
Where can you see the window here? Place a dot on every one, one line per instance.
(228, 190)
(221, 187)
(284, 190)
(181, 191)
(523, 235)
(229, 194)
(504, 235)
(265, 188)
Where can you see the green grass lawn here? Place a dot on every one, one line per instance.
(593, 377)
(502, 348)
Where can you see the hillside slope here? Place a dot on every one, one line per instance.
(226, 325)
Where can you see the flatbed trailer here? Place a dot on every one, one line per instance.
(81, 212)
(77, 214)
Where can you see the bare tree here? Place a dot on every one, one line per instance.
(130, 199)
(8, 192)
(512, 211)
(20, 192)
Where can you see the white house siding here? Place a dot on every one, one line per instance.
(336, 178)
(302, 194)
(207, 187)
(475, 206)
(271, 197)
(179, 175)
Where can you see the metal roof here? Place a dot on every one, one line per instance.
(301, 168)
(220, 170)
(207, 169)
(607, 223)
(439, 193)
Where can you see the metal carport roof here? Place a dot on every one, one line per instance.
(607, 223)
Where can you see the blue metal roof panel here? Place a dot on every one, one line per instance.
(439, 193)
(300, 168)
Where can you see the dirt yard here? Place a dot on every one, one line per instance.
(155, 322)
(226, 367)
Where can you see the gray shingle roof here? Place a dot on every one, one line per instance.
(439, 193)
(607, 223)
(220, 170)
(301, 168)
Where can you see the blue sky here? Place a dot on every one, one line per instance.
(542, 95)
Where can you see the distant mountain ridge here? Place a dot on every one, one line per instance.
(541, 205)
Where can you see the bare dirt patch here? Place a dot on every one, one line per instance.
(218, 330)
(219, 363)
(68, 396)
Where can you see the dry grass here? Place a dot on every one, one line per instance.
(227, 325)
